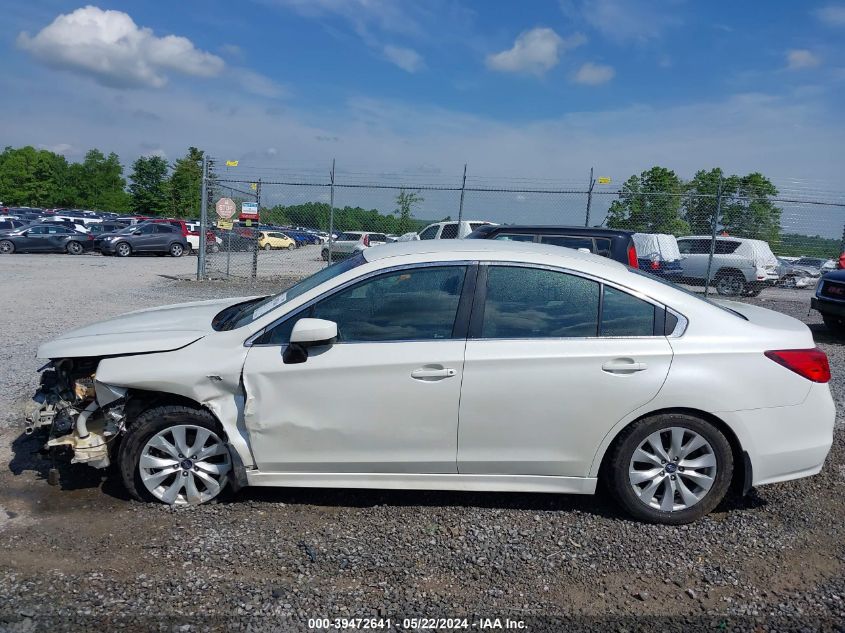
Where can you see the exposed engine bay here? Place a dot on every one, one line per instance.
(77, 412)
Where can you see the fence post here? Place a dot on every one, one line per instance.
(203, 219)
(255, 250)
(716, 215)
(589, 198)
(331, 214)
(461, 205)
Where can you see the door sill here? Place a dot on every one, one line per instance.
(405, 481)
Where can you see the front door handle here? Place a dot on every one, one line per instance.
(433, 372)
(623, 366)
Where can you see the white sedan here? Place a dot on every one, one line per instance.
(459, 365)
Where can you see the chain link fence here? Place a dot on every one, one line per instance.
(735, 236)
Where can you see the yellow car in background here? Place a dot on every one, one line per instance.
(269, 240)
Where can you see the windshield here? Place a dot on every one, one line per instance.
(246, 312)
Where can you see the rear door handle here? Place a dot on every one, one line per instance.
(433, 372)
(623, 366)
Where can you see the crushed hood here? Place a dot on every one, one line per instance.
(151, 330)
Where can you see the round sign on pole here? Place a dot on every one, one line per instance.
(225, 208)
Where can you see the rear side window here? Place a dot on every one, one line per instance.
(536, 303)
(450, 231)
(515, 237)
(694, 247)
(568, 241)
(623, 314)
(725, 247)
(349, 237)
(164, 228)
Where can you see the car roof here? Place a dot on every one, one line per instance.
(544, 228)
(719, 237)
(484, 249)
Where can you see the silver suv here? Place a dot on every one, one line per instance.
(740, 266)
(350, 242)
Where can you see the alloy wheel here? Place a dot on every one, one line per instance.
(184, 465)
(6, 247)
(672, 469)
(729, 285)
(176, 250)
(123, 249)
(74, 248)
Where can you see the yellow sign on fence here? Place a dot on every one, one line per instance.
(604, 180)
(231, 163)
(224, 224)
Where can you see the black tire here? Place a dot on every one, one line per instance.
(74, 248)
(291, 247)
(188, 250)
(122, 249)
(145, 426)
(325, 255)
(267, 247)
(730, 284)
(621, 453)
(835, 324)
(176, 250)
(7, 247)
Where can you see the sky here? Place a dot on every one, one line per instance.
(520, 91)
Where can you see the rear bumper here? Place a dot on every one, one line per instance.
(786, 443)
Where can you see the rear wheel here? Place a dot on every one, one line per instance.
(74, 248)
(730, 284)
(670, 468)
(6, 247)
(123, 250)
(834, 323)
(175, 455)
(177, 250)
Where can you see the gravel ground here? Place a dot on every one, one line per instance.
(82, 557)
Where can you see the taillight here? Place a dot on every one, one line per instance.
(810, 363)
(365, 240)
(655, 265)
(632, 257)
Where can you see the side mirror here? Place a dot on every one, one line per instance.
(308, 333)
(136, 232)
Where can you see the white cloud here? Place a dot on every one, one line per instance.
(406, 58)
(256, 83)
(536, 52)
(800, 58)
(594, 74)
(626, 20)
(109, 47)
(832, 14)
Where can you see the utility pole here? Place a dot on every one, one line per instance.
(461, 206)
(590, 197)
(255, 250)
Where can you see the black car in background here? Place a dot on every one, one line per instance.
(11, 225)
(45, 238)
(830, 301)
(613, 243)
(147, 237)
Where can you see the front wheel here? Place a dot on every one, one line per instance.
(123, 250)
(6, 247)
(291, 247)
(175, 455)
(671, 468)
(176, 250)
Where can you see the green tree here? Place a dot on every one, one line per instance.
(149, 186)
(33, 177)
(185, 185)
(405, 203)
(98, 182)
(749, 210)
(649, 203)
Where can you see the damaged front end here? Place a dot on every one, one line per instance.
(79, 414)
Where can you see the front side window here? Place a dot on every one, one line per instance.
(430, 233)
(537, 303)
(409, 305)
(623, 314)
(148, 229)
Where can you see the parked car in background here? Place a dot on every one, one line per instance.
(740, 266)
(302, 238)
(11, 224)
(450, 230)
(149, 237)
(351, 242)
(106, 227)
(829, 301)
(236, 241)
(515, 340)
(612, 243)
(46, 238)
(268, 240)
(658, 254)
(76, 225)
(790, 276)
(212, 242)
(814, 266)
